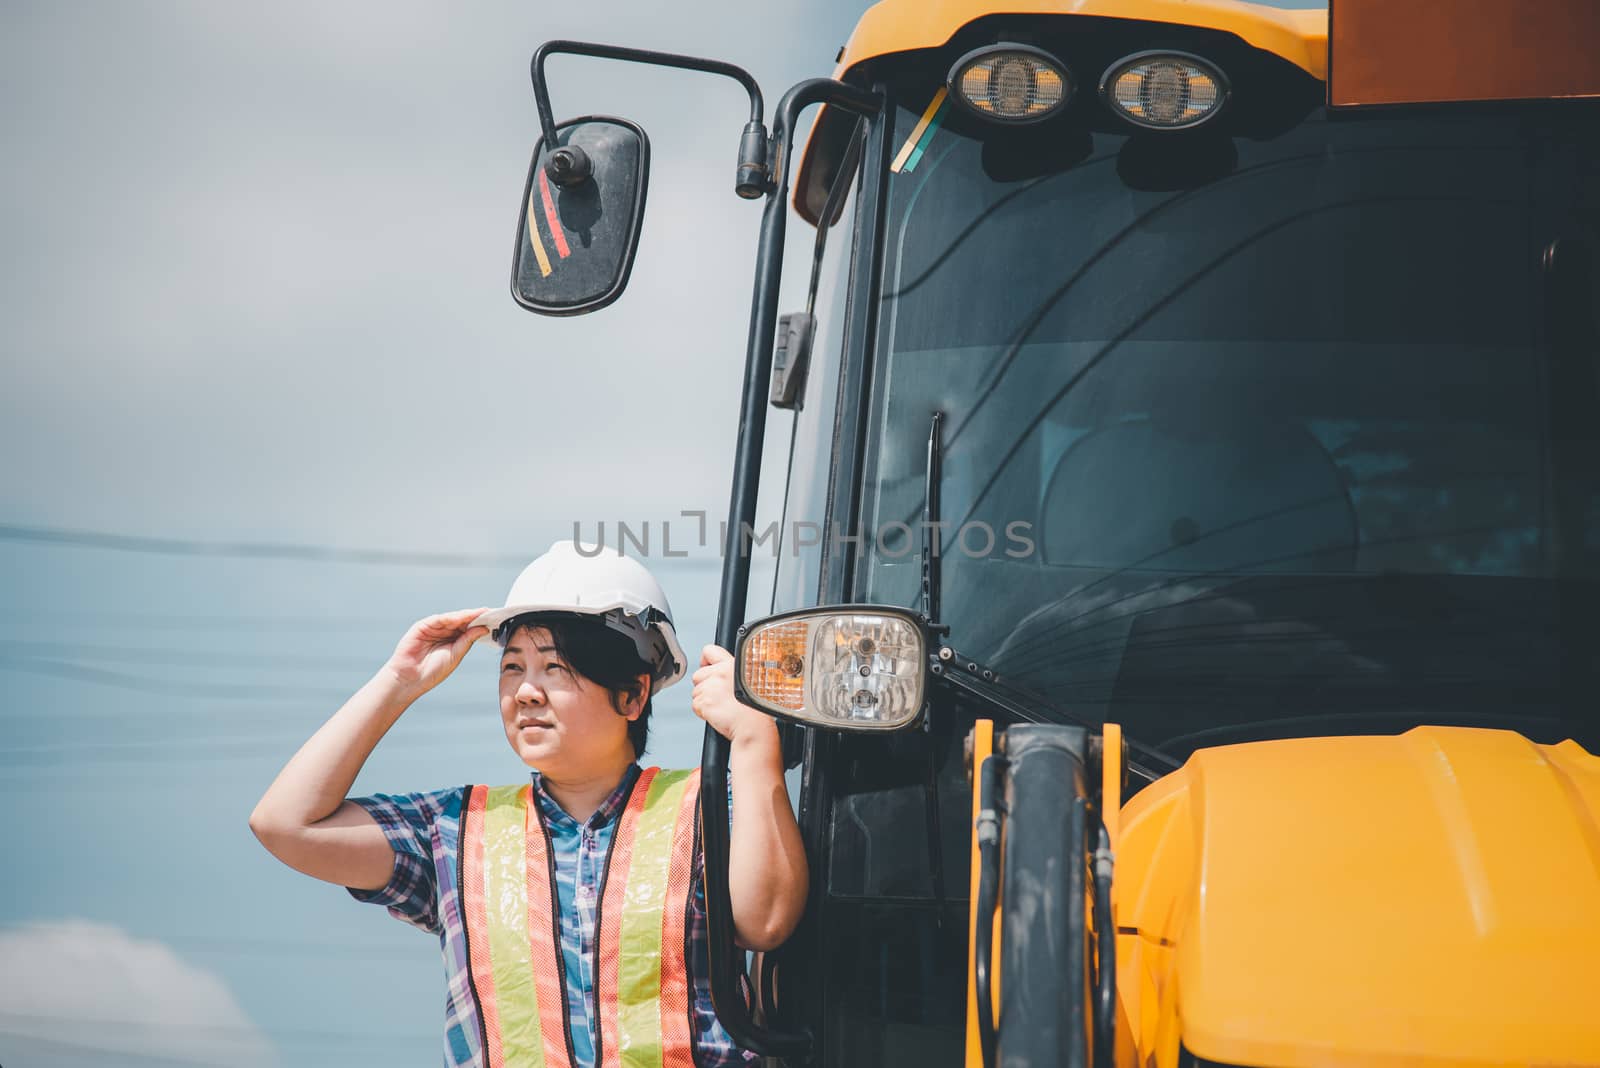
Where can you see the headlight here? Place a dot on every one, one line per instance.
(1010, 83)
(853, 668)
(1164, 90)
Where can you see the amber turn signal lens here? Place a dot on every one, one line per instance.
(772, 664)
(851, 668)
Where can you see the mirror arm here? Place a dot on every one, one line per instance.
(725, 957)
(751, 179)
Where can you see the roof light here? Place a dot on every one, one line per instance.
(1011, 83)
(1164, 90)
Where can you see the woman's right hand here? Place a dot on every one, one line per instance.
(432, 648)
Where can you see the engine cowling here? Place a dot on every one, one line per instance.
(1432, 897)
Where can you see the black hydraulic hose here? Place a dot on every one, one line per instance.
(1047, 1000)
(1105, 961)
(988, 832)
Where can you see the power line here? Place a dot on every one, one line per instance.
(91, 539)
(88, 539)
(96, 619)
(175, 750)
(263, 693)
(65, 669)
(271, 947)
(220, 1030)
(181, 657)
(191, 749)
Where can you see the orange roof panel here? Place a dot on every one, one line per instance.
(1300, 36)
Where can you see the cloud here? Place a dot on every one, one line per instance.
(81, 985)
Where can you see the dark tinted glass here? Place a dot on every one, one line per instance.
(1285, 444)
(806, 491)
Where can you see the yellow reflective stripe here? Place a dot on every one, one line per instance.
(533, 238)
(918, 130)
(639, 967)
(505, 897)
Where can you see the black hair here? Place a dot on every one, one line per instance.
(599, 654)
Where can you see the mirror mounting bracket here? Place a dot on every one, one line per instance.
(753, 176)
(569, 166)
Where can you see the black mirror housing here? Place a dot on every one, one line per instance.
(582, 207)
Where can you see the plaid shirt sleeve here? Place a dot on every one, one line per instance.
(410, 823)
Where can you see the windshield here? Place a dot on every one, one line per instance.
(1253, 438)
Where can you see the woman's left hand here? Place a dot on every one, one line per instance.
(767, 873)
(714, 702)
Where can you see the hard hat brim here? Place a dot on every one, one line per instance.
(496, 616)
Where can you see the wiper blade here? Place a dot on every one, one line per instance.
(967, 674)
(931, 534)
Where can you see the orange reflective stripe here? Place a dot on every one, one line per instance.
(544, 937)
(550, 216)
(677, 1039)
(511, 950)
(515, 965)
(610, 949)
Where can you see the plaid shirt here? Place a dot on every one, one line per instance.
(425, 828)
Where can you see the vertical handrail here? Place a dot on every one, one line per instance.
(725, 958)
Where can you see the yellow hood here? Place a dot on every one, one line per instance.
(1427, 898)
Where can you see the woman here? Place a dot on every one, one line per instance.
(570, 909)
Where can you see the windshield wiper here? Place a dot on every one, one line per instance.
(932, 574)
(966, 674)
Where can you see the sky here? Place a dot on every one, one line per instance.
(255, 296)
(255, 290)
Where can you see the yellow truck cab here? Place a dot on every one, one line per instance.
(1185, 621)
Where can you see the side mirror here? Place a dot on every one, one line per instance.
(581, 210)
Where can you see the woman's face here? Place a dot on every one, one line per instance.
(555, 719)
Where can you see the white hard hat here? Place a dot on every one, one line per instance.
(604, 583)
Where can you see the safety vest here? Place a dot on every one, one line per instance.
(507, 892)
